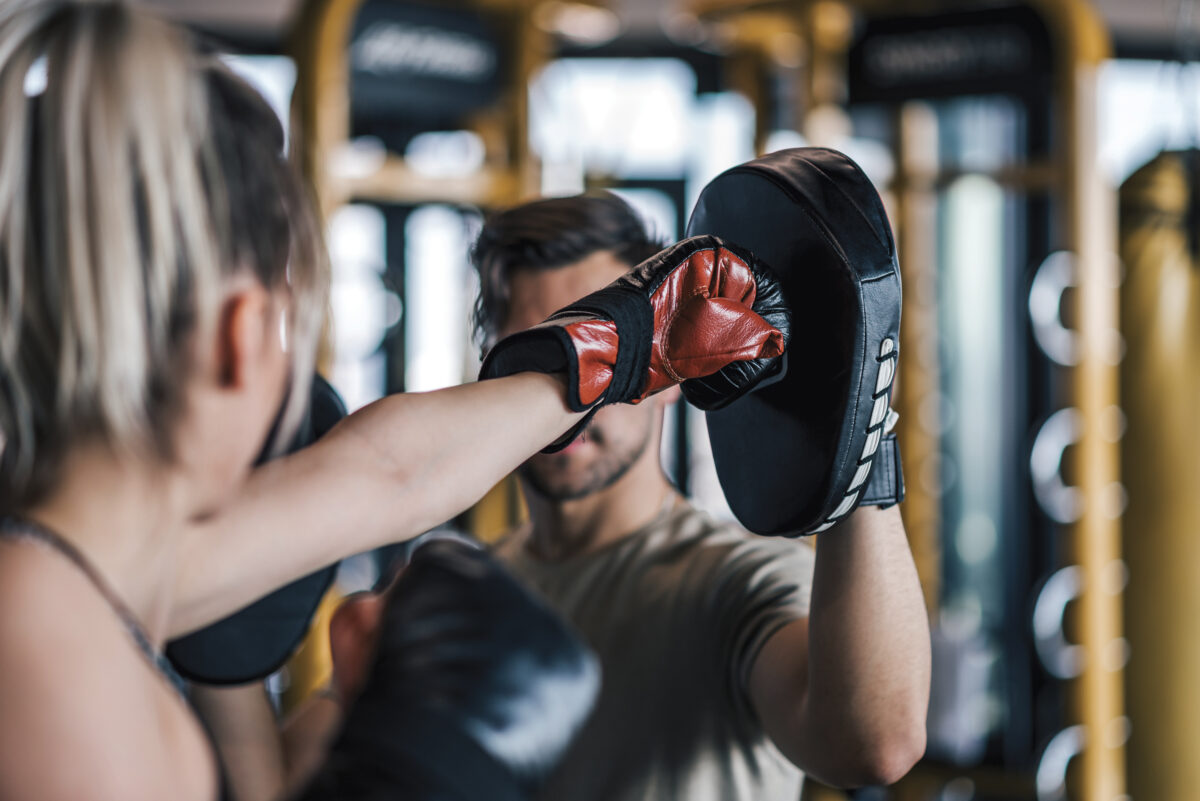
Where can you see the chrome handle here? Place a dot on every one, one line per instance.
(1054, 276)
(1062, 659)
(1056, 758)
(1062, 503)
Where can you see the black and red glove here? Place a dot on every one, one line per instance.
(702, 312)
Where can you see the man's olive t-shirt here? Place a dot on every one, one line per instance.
(677, 613)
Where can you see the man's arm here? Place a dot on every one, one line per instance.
(385, 474)
(844, 693)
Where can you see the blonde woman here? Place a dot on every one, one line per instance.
(154, 246)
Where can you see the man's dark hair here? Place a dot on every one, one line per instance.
(548, 234)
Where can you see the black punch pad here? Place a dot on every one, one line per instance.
(253, 643)
(795, 456)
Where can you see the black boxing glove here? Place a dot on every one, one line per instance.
(702, 312)
(475, 692)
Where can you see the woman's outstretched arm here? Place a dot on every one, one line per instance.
(408, 462)
(385, 474)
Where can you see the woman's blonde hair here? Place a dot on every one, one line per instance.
(136, 172)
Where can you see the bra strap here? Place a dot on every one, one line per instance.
(19, 528)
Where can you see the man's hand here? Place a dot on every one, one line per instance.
(353, 631)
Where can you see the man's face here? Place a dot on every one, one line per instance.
(618, 435)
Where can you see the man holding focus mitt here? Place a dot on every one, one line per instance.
(731, 662)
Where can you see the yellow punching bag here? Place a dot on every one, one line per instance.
(1160, 393)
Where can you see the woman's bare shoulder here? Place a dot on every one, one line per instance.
(45, 604)
(82, 715)
(48, 606)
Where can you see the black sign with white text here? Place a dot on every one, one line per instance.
(997, 50)
(415, 62)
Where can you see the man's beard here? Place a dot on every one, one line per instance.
(546, 473)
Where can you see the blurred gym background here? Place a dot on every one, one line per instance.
(1040, 163)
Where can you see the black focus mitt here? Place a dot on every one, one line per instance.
(802, 452)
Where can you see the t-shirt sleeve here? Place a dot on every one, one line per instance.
(764, 584)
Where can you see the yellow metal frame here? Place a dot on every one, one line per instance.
(914, 213)
(321, 122)
(321, 111)
(1094, 541)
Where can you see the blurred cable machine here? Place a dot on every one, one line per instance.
(1008, 385)
(997, 190)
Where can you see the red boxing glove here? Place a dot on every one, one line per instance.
(691, 311)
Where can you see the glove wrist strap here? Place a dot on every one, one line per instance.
(633, 318)
(885, 486)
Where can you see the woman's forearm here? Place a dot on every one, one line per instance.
(441, 451)
(307, 735)
(385, 474)
(242, 724)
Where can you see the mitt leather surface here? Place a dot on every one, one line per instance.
(787, 453)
